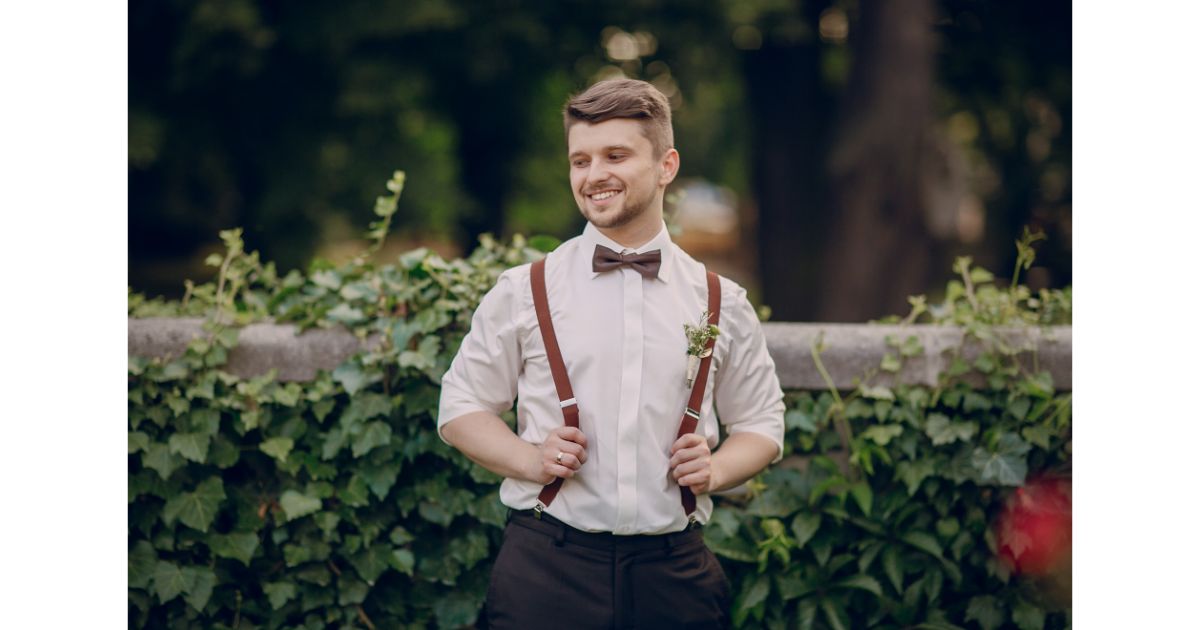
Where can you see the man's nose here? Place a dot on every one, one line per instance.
(597, 173)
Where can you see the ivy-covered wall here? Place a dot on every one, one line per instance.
(330, 503)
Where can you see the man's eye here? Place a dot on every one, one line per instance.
(616, 156)
(579, 163)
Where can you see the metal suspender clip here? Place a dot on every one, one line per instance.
(692, 412)
(538, 509)
(693, 522)
(566, 403)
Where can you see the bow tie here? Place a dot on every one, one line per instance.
(646, 263)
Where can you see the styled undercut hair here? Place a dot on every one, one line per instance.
(624, 98)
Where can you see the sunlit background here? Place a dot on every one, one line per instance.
(836, 155)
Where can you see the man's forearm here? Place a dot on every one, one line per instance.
(486, 440)
(740, 457)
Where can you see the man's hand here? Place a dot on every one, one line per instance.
(571, 443)
(691, 463)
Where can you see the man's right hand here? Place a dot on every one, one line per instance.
(572, 444)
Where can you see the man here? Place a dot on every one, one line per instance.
(616, 543)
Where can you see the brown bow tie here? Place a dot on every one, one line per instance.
(646, 263)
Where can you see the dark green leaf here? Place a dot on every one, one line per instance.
(169, 581)
(277, 447)
(142, 563)
(912, 473)
(1027, 616)
(861, 582)
(805, 526)
(1006, 464)
(374, 434)
(371, 562)
(891, 567)
(881, 434)
(159, 457)
(199, 583)
(296, 505)
(941, 430)
(350, 375)
(279, 593)
(238, 545)
(138, 441)
(196, 509)
(986, 610)
(924, 542)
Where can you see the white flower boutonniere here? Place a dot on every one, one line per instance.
(698, 338)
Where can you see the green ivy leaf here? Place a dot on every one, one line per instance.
(159, 458)
(169, 581)
(374, 434)
(355, 492)
(1027, 616)
(986, 610)
(296, 505)
(890, 363)
(371, 562)
(941, 430)
(351, 377)
(138, 441)
(912, 473)
(277, 447)
(199, 583)
(403, 561)
(237, 545)
(881, 434)
(1038, 434)
(1006, 464)
(279, 593)
(198, 508)
(142, 564)
(192, 446)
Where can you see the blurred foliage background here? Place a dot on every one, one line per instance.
(837, 154)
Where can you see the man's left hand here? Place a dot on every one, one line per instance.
(691, 463)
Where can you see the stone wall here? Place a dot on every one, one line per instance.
(850, 349)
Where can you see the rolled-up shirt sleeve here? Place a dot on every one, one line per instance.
(484, 373)
(746, 392)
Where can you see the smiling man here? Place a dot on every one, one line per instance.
(608, 346)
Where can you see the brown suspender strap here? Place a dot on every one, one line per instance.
(558, 370)
(691, 416)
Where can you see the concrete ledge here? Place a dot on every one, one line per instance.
(850, 349)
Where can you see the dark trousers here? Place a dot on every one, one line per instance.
(550, 575)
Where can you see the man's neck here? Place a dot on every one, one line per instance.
(636, 233)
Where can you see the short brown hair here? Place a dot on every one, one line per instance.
(624, 98)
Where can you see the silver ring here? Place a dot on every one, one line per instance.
(559, 458)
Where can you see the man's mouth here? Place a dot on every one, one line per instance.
(603, 195)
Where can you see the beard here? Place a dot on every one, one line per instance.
(630, 210)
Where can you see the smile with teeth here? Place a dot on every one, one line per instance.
(601, 196)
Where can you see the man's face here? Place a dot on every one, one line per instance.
(614, 175)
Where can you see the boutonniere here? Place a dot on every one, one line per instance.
(698, 338)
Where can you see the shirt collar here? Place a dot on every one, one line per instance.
(592, 237)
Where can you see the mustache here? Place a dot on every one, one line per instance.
(595, 189)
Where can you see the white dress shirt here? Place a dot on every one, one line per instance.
(623, 344)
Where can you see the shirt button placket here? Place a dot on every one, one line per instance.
(632, 344)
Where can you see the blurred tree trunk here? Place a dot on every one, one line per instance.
(892, 179)
(789, 106)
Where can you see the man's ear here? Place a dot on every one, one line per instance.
(668, 167)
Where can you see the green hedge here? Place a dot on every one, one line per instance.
(254, 503)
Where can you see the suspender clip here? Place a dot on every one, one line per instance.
(538, 509)
(693, 413)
